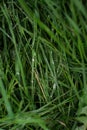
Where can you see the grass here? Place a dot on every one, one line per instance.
(43, 65)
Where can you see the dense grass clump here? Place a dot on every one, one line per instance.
(43, 65)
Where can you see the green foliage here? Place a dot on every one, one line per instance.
(43, 65)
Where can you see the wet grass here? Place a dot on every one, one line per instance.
(43, 65)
